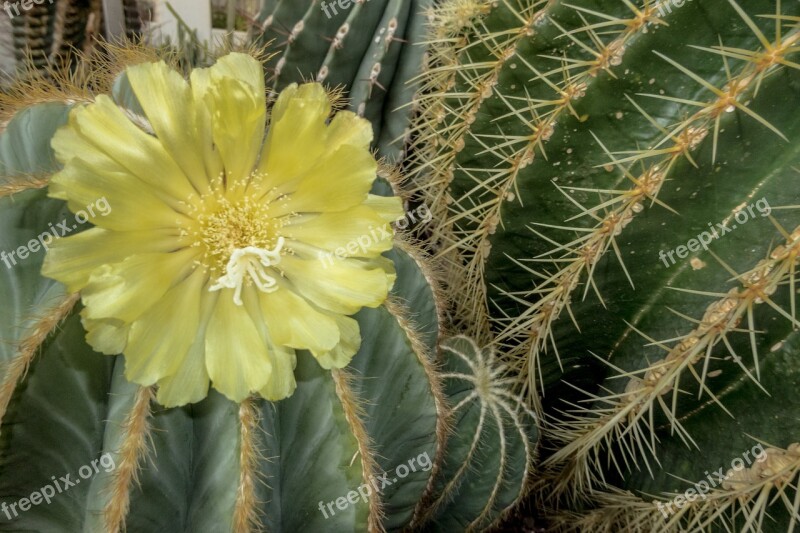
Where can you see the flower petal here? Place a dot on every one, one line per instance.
(237, 359)
(168, 103)
(105, 138)
(238, 121)
(190, 383)
(71, 260)
(389, 208)
(233, 89)
(240, 67)
(347, 128)
(349, 345)
(126, 290)
(295, 140)
(108, 337)
(236, 66)
(294, 323)
(345, 286)
(160, 339)
(128, 198)
(356, 232)
(281, 383)
(336, 183)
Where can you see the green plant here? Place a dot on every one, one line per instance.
(372, 50)
(375, 63)
(217, 465)
(46, 32)
(566, 149)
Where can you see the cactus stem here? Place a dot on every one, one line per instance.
(744, 495)
(481, 86)
(629, 415)
(529, 333)
(490, 391)
(59, 24)
(133, 449)
(453, 484)
(354, 414)
(27, 348)
(398, 310)
(473, 244)
(433, 274)
(475, 525)
(56, 83)
(246, 517)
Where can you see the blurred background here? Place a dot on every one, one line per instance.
(45, 32)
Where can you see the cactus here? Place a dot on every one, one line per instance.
(375, 63)
(136, 14)
(615, 186)
(114, 457)
(46, 32)
(372, 49)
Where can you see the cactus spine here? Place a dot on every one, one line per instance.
(383, 422)
(565, 149)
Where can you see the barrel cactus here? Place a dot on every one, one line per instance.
(371, 49)
(210, 328)
(614, 187)
(42, 34)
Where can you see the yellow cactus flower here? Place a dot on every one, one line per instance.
(209, 265)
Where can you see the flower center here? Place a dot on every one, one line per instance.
(250, 262)
(235, 225)
(240, 242)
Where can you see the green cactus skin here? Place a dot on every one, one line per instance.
(312, 437)
(496, 463)
(562, 146)
(373, 50)
(217, 466)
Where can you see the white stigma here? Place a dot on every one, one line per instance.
(250, 261)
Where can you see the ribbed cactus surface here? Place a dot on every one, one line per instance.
(396, 439)
(372, 49)
(42, 33)
(615, 185)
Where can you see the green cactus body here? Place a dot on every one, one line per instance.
(304, 448)
(370, 49)
(361, 448)
(567, 149)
